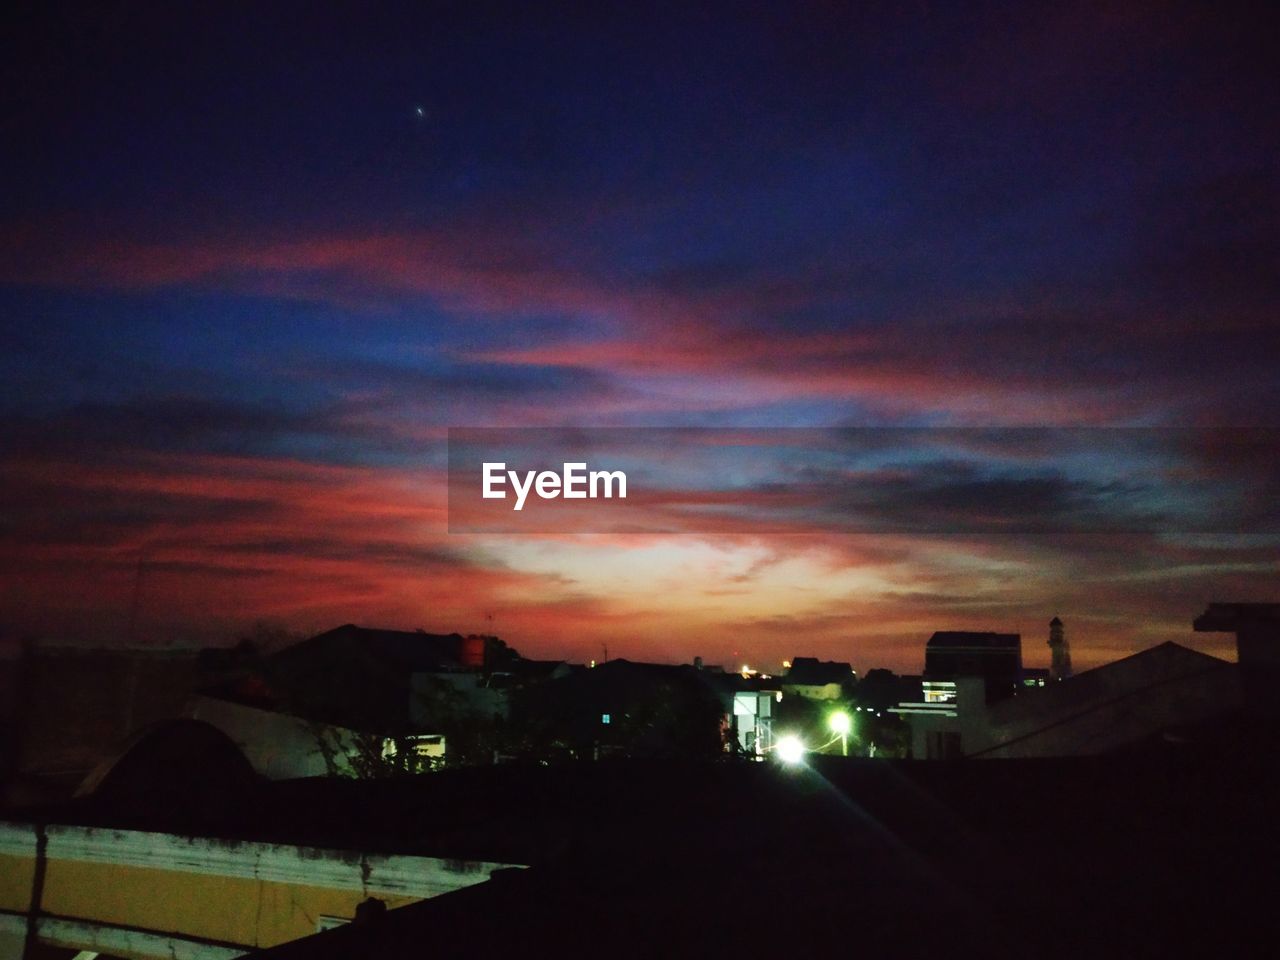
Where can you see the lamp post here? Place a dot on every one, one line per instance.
(841, 724)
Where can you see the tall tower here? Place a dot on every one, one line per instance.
(1060, 668)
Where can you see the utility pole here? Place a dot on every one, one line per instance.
(135, 607)
(131, 680)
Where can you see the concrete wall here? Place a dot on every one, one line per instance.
(965, 716)
(813, 691)
(197, 896)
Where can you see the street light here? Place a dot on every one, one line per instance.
(841, 724)
(790, 750)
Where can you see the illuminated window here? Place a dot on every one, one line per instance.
(604, 718)
(939, 691)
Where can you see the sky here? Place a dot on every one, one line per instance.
(256, 261)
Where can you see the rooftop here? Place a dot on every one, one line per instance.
(810, 671)
(968, 639)
(635, 858)
(409, 649)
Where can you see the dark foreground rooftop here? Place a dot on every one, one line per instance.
(1166, 851)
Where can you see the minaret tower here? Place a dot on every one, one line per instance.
(1060, 668)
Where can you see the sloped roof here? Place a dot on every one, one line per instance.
(409, 649)
(1149, 667)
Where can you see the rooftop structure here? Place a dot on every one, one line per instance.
(995, 657)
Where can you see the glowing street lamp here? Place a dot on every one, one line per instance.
(790, 750)
(841, 724)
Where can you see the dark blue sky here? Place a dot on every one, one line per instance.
(299, 239)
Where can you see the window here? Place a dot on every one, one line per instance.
(943, 691)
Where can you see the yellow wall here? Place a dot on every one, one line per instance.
(231, 909)
(16, 877)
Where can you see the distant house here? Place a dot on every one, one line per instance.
(1152, 693)
(623, 708)
(411, 689)
(626, 708)
(816, 679)
(396, 679)
(880, 689)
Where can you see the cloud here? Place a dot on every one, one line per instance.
(232, 536)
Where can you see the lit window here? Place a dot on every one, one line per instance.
(604, 718)
(939, 692)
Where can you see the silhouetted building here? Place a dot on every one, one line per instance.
(1257, 630)
(406, 687)
(1116, 705)
(624, 708)
(816, 679)
(881, 689)
(995, 657)
(392, 680)
(1157, 692)
(354, 698)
